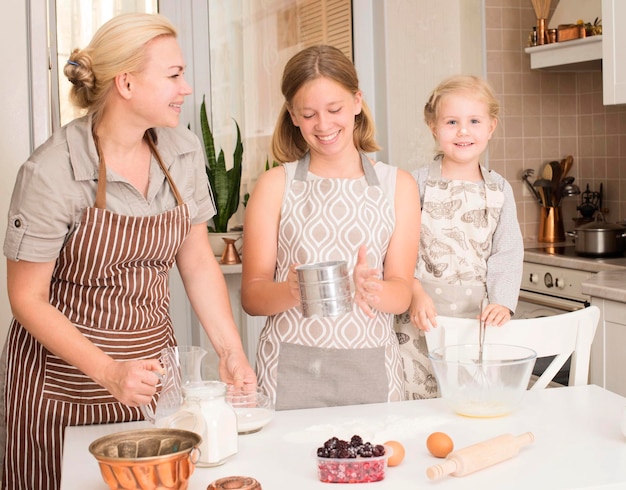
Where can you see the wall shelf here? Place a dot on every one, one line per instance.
(583, 54)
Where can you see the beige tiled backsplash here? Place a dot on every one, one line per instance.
(548, 115)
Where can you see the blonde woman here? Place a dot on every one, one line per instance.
(99, 215)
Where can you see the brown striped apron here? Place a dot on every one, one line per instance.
(111, 281)
(352, 358)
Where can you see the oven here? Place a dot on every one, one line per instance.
(548, 290)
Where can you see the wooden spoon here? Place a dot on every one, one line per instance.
(556, 181)
(546, 172)
(567, 165)
(557, 172)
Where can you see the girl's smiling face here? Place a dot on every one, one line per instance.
(324, 111)
(463, 127)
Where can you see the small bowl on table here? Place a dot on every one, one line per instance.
(147, 459)
(491, 387)
(352, 470)
(254, 408)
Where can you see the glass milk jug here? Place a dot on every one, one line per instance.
(181, 365)
(215, 420)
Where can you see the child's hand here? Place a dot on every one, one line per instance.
(422, 311)
(496, 315)
(367, 283)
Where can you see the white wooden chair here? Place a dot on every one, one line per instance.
(559, 335)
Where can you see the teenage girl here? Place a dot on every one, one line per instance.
(329, 201)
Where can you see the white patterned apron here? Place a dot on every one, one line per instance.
(459, 219)
(111, 281)
(350, 359)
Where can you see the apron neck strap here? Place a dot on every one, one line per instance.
(101, 193)
(150, 138)
(434, 171)
(302, 169)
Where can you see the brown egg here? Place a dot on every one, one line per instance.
(397, 455)
(439, 444)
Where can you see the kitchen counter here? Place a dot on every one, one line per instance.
(578, 444)
(609, 285)
(540, 253)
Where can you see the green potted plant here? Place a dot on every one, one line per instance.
(225, 184)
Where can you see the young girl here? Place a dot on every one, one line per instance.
(330, 202)
(470, 241)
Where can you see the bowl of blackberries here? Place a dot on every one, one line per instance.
(353, 461)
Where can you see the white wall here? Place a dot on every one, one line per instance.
(402, 50)
(14, 122)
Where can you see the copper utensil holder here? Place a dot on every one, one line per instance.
(551, 225)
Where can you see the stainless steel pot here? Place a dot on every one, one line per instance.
(599, 239)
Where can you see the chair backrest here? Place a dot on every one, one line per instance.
(559, 335)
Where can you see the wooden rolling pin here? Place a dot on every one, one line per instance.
(479, 456)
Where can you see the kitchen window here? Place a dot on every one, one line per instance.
(56, 27)
(76, 21)
(235, 50)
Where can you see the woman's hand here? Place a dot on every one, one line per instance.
(422, 310)
(367, 284)
(495, 315)
(133, 383)
(235, 370)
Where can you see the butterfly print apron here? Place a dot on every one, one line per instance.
(459, 219)
(458, 222)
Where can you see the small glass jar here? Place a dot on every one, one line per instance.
(216, 421)
(533, 36)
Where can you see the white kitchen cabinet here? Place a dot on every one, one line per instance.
(614, 51)
(609, 345)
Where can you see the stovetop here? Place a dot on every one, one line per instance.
(564, 250)
(564, 255)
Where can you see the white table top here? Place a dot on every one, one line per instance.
(578, 444)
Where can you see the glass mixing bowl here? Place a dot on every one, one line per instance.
(491, 388)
